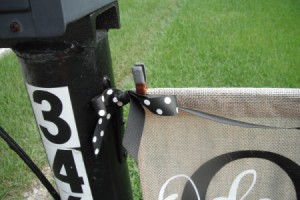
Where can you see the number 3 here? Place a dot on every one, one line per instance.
(64, 131)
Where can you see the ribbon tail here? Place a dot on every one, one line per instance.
(98, 135)
(134, 127)
(228, 121)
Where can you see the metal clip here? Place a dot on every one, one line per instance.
(139, 75)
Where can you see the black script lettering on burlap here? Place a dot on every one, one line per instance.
(205, 173)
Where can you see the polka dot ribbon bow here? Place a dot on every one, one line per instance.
(111, 100)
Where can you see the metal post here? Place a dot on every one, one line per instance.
(62, 75)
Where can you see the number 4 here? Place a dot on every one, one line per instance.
(64, 160)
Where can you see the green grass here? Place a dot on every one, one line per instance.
(17, 119)
(184, 43)
(142, 23)
(230, 44)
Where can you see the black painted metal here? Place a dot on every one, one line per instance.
(35, 19)
(105, 17)
(81, 61)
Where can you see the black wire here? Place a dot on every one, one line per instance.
(15, 147)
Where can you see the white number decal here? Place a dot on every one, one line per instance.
(54, 114)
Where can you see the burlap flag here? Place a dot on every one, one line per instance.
(224, 144)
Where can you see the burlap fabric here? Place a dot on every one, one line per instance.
(184, 155)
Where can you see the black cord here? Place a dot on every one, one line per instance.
(15, 147)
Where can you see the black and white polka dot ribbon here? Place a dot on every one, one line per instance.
(111, 100)
(106, 105)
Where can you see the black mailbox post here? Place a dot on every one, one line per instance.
(63, 49)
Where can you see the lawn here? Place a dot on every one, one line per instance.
(184, 43)
(16, 118)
